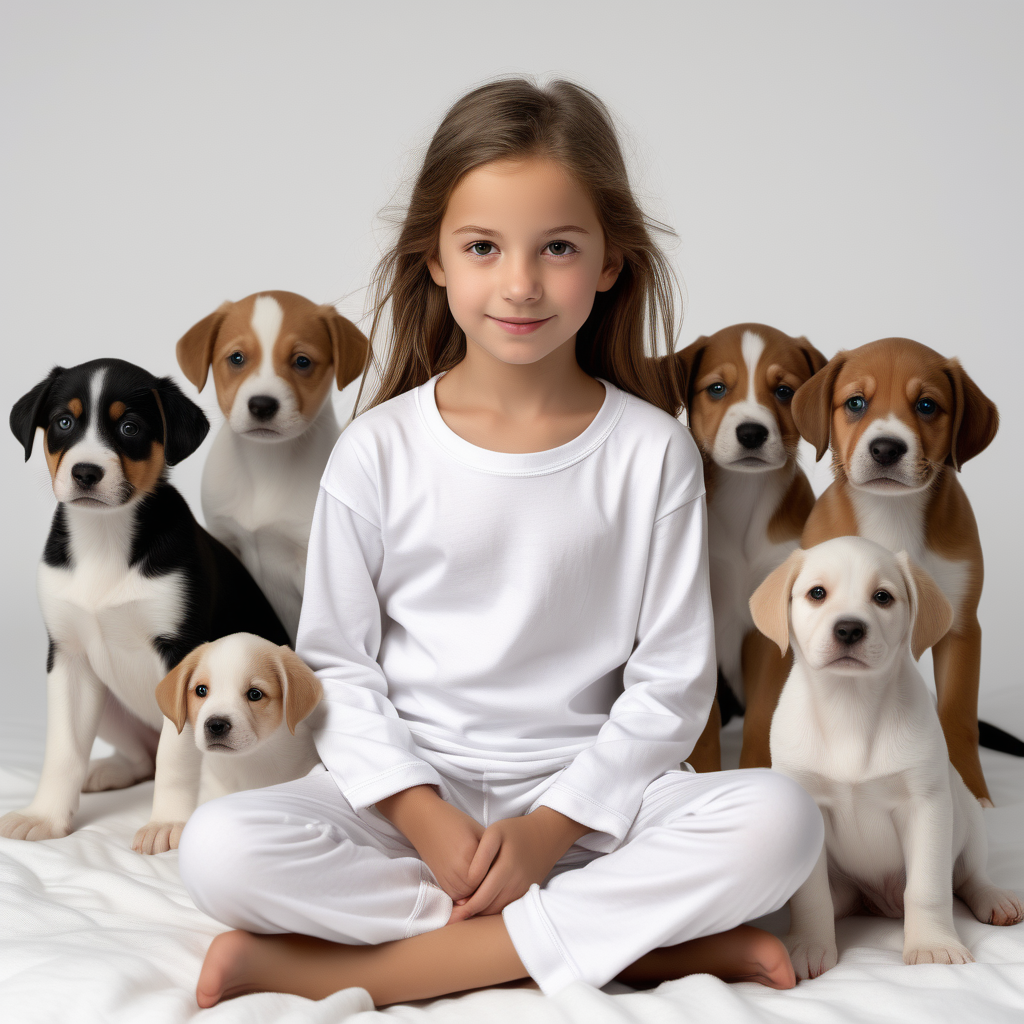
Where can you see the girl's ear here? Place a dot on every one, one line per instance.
(613, 262)
(436, 271)
(769, 604)
(172, 690)
(303, 691)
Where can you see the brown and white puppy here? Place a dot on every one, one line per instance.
(236, 717)
(901, 420)
(275, 357)
(738, 386)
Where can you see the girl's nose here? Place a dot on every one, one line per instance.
(521, 282)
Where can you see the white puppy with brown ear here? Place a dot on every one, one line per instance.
(857, 728)
(237, 717)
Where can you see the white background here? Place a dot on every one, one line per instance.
(847, 171)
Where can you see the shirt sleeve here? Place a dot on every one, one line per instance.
(361, 740)
(668, 684)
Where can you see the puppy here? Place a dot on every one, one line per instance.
(857, 728)
(236, 717)
(738, 386)
(274, 357)
(901, 420)
(129, 582)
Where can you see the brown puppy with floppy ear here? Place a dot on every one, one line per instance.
(901, 420)
(275, 358)
(236, 718)
(738, 385)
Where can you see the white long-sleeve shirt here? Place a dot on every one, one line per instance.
(488, 615)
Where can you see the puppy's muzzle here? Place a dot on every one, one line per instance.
(86, 474)
(751, 435)
(849, 631)
(263, 407)
(887, 451)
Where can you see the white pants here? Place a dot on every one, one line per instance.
(704, 854)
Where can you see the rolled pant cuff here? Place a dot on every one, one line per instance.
(538, 944)
(433, 906)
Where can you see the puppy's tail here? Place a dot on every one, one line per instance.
(995, 739)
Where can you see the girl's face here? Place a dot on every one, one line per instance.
(521, 254)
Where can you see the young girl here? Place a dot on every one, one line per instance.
(507, 603)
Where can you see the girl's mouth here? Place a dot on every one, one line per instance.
(519, 324)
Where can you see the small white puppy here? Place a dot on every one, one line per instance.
(237, 717)
(857, 728)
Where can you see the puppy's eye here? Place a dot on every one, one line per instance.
(65, 423)
(925, 406)
(816, 593)
(236, 359)
(255, 694)
(201, 691)
(303, 362)
(129, 429)
(717, 390)
(882, 597)
(783, 392)
(856, 404)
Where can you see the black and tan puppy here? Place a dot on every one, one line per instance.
(129, 582)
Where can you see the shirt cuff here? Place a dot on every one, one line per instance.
(394, 780)
(586, 810)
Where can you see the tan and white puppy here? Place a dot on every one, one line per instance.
(236, 717)
(275, 358)
(901, 420)
(738, 385)
(857, 728)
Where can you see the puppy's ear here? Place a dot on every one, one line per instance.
(302, 691)
(815, 360)
(172, 690)
(812, 405)
(769, 604)
(195, 348)
(932, 614)
(28, 411)
(349, 344)
(185, 424)
(687, 367)
(975, 417)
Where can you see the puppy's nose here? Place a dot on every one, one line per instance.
(751, 435)
(87, 474)
(887, 450)
(849, 631)
(217, 728)
(263, 407)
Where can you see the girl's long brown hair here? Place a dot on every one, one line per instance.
(510, 119)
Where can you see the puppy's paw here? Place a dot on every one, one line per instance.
(158, 837)
(811, 956)
(993, 905)
(18, 825)
(114, 772)
(940, 952)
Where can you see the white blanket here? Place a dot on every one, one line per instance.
(90, 931)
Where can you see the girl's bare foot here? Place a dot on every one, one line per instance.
(742, 954)
(230, 968)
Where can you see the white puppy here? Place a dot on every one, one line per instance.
(858, 729)
(236, 718)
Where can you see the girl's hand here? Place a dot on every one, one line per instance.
(512, 855)
(445, 838)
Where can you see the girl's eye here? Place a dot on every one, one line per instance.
(882, 597)
(925, 406)
(856, 404)
(482, 248)
(129, 429)
(717, 390)
(560, 248)
(236, 359)
(65, 423)
(201, 691)
(255, 694)
(303, 362)
(783, 392)
(816, 593)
